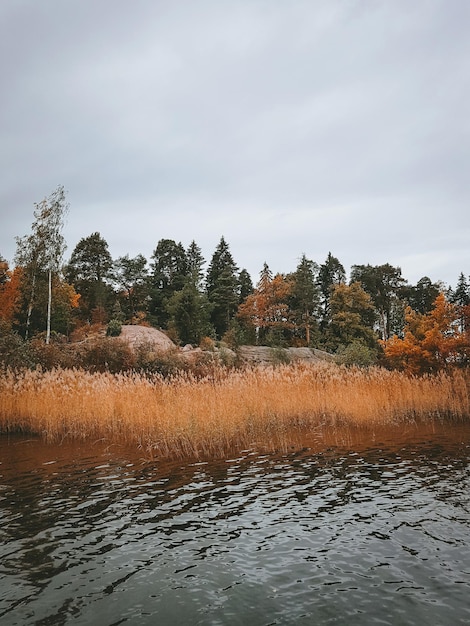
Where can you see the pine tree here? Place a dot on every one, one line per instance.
(246, 284)
(169, 272)
(90, 271)
(195, 262)
(222, 286)
(461, 298)
(330, 273)
(305, 295)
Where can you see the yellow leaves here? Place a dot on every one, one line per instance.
(65, 295)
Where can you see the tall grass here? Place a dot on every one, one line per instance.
(264, 408)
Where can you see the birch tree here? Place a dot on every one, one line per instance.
(41, 252)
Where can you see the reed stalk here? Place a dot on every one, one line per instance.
(262, 408)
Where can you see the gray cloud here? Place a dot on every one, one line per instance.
(288, 128)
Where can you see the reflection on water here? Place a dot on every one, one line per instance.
(374, 530)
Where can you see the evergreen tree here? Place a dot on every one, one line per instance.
(305, 299)
(4, 277)
(169, 272)
(421, 297)
(90, 271)
(384, 284)
(195, 263)
(189, 312)
(222, 288)
(330, 273)
(246, 285)
(131, 276)
(461, 294)
(461, 298)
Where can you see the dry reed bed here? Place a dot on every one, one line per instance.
(231, 409)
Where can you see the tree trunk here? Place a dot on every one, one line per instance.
(49, 300)
(30, 306)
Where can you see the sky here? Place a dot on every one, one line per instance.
(288, 128)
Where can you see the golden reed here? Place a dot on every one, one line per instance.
(263, 408)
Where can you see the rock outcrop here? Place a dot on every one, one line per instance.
(159, 342)
(265, 354)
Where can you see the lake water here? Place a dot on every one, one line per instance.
(364, 530)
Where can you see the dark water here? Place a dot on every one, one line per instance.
(371, 531)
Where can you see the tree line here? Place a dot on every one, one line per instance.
(375, 315)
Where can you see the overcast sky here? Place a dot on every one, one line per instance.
(288, 127)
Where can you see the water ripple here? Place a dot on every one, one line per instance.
(377, 536)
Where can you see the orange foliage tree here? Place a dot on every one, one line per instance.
(431, 342)
(10, 295)
(267, 309)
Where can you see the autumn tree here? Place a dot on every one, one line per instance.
(432, 341)
(222, 284)
(266, 311)
(90, 271)
(352, 317)
(10, 293)
(40, 253)
(65, 301)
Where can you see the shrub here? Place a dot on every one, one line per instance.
(15, 352)
(54, 354)
(356, 353)
(207, 344)
(280, 356)
(114, 328)
(107, 354)
(151, 360)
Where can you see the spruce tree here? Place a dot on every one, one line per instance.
(222, 285)
(305, 299)
(169, 272)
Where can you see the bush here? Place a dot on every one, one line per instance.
(107, 354)
(114, 328)
(207, 344)
(149, 359)
(280, 356)
(57, 353)
(15, 352)
(356, 353)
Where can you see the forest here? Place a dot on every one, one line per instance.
(374, 316)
